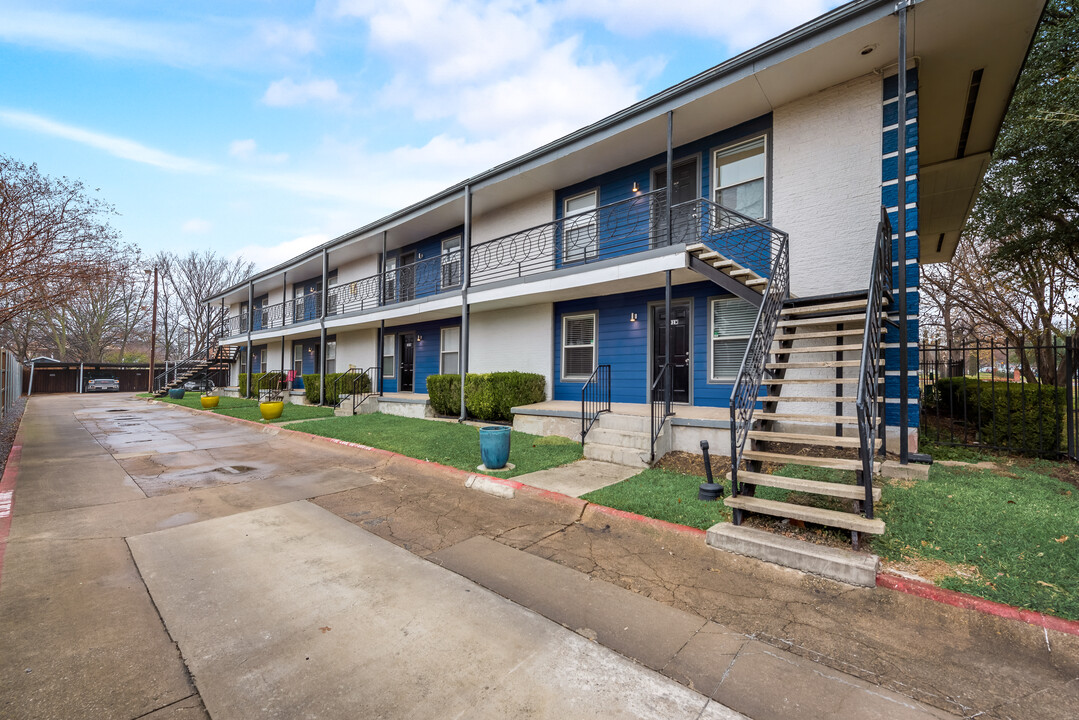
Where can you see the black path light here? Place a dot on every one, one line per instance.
(709, 491)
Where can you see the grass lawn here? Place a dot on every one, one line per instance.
(248, 409)
(443, 442)
(1009, 534)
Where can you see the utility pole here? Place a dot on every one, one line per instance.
(153, 335)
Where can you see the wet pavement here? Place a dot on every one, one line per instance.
(165, 563)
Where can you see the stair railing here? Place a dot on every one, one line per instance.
(595, 398)
(357, 384)
(660, 411)
(867, 400)
(201, 361)
(746, 390)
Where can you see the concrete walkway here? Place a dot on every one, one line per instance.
(160, 559)
(579, 478)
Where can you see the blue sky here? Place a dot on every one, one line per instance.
(263, 128)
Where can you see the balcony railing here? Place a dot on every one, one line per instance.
(619, 229)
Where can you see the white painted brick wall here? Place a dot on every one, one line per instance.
(357, 348)
(512, 218)
(826, 190)
(513, 339)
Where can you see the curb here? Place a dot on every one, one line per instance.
(973, 602)
(7, 495)
(884, 580)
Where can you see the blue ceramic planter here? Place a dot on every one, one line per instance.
(176, 393)
(495, 446)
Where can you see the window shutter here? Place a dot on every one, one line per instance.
(579, 346)
(580, 331)
(732, 324)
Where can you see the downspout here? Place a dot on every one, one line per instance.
(466, 266)
(80, 378)
(30, 389)
(382, 323)
(670, 241)
(322, 334)
(901, 180)
(250, 313)
(381, 353)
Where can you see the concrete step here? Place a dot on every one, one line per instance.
(842, 565)
(806, 439)
(629, 423)
(622, 438)
(831, 518)
(784, 458)
(630, 457)
(812, 487)
(822, 308)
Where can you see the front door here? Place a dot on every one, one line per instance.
(680, 357)
(406, 276)
(683, 189)
(407, 355)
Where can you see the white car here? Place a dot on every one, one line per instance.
(103, 385)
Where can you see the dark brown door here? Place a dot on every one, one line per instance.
(407, 363)
(680, 361)
(684, 189)
(406, 276)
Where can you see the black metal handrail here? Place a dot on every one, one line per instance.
(660, 410)
(358, 384)
(753, 244)
(270, 386)
(868, 398)
(746, 390)
(595, 398)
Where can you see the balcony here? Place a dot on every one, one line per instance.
(621, 229)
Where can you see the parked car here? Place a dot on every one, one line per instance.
(200, 384)
(103, 385)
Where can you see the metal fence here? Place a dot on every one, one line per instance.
(1019, 398)
(10, 381)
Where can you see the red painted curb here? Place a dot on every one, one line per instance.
(971, 602)
(7, 497)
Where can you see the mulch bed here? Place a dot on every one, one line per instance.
(8, 427)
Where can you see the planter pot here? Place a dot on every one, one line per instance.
(495, 446)
(209, 401)
(176, 393)
(271, 410)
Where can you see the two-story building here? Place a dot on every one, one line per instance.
(571, 262)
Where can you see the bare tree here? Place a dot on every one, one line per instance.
(195, 276)
(53, 236)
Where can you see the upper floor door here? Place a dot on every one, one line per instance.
(684, 189)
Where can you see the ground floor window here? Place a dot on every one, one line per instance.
(389, 357)
(451, 350)
(297, 359)
(732, 322)
(578, 346)
(331, 356)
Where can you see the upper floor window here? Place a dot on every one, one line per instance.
(451, 262)
(580, 237)
(740, 178)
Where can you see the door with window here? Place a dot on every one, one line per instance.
(580, 228)
(683, 190)
(681, 362)
(406, 276)
(406, 363)
(451, 263)
(306, 300)
(389, 281)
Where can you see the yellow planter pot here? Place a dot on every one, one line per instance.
(209, 401)
(271, 410)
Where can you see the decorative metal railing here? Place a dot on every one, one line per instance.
(660, 406)
(746, 391)
(211, 363)
(750, 243)
(595, 398)
(355, 385)
(869, 399)
(621, 228)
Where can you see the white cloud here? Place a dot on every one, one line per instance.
(247, 150)
(282, 36)
(196, 226)
(287, 93)
(117, 146)
(268, 256)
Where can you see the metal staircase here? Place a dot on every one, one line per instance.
(827, 350)
(206, 362)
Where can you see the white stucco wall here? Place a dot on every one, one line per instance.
(826, 184)
(365, 266)
(513, 339)
(523, 214)
(357, 348)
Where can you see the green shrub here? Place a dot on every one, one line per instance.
(259, 379)
(1021, 417)
(445, 394)
(488, 396)
(334, 389)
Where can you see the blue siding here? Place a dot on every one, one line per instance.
(623, 344)
(426, 352)
(429, 281)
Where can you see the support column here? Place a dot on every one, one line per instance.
(667, 389)
(381, 354)
(901, 175)
(322, 329)
(250, 315)
(466, 267)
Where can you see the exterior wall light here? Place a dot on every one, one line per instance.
(633, 317)
(636, 187)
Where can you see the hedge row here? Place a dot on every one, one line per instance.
(357, 383)
(1024, 418)
(268, 377)
(488, 396)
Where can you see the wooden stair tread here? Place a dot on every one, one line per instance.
(831, 518)
(742, 272)
(818, 334)
(817, 348)
(812, 365)
(845, 441)
(813, 381)
(822, 308)
(829, 419)
(822, 320)
(784, 458)
(812, 487)
(754, 282)
(813, 398)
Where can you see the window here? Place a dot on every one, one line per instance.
(331, 295)
(389, 292)
(740, 178)
(451, 263)
(732, 324)
(451, 350)
(578, 346)
(261, 360)
(297, 359)
(580, 236)
(389, 345)
(243, 362)
(331, 356)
